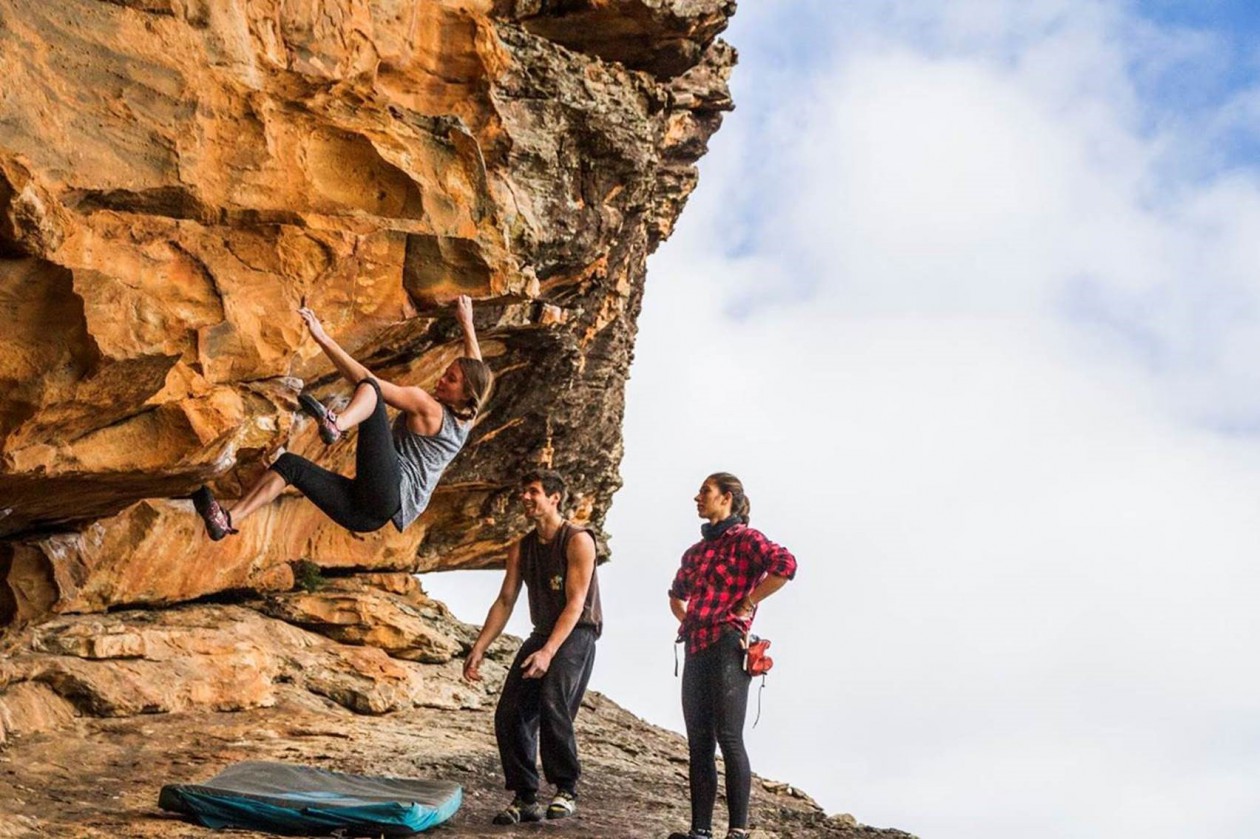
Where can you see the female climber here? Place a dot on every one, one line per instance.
(714, 596)
(395, 471)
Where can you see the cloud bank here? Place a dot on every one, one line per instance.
(968, 298)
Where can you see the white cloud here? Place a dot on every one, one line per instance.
(966, 310)
(1019, 582)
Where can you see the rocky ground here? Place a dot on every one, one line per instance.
(101, 777)
(362, 675)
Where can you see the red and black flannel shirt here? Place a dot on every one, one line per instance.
(718, 573)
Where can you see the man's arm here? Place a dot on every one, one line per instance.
(678, 607)
(497, 618)
(581, 568)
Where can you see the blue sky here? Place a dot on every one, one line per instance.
(1231, 67)
(1234, 19)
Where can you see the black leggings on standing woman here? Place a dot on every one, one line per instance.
(367, 501)
(715, 704)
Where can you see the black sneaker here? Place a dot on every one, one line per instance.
(692, 834)
(520, 810)
(563, 805)
(218, 520)
(327, 420)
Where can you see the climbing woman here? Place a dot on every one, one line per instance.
(715, 594)
(395, 471)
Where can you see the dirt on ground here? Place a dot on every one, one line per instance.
(101, 778)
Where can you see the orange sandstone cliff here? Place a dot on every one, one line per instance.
(176, 178)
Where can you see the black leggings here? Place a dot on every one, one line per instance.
(715, 703)
(369, 500)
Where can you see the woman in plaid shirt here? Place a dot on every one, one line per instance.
(714, 596)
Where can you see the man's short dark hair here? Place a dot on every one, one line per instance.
(550, 479)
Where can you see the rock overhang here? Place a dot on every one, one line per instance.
(175, 178)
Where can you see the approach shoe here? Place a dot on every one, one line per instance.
(563, 805)
(519, 811)
(692, 834)
(327, 420)
(218, 520)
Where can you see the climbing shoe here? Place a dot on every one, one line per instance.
(327, 420)
(519, 811)
(563, 805)
(218, 520)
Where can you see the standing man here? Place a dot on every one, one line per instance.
(544, 687)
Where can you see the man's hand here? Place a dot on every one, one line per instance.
(536, 663)
(472, 666)
(313, 324)
(743, 608)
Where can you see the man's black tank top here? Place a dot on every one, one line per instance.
(544, 568)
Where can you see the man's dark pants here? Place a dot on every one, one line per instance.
(534, 711)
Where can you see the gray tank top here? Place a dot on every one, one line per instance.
(422, 459)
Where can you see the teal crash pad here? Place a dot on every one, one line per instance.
(306, 801)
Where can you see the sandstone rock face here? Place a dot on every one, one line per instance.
(388, 652)
(398, 619)
(177, 176)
